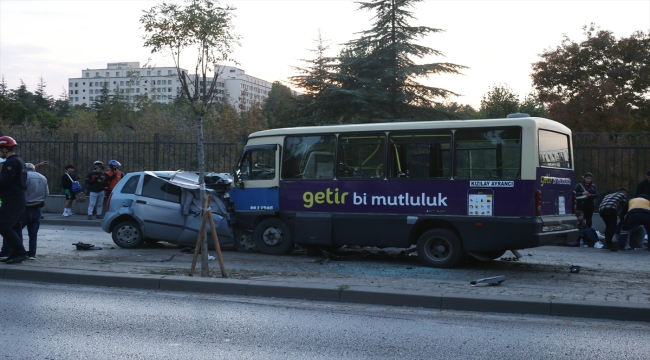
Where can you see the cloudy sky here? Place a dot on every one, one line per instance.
(497, 40)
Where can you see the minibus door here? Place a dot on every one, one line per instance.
(256, 185)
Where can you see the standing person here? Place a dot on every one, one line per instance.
(66, 183)
(13, 182)
(95, 185)
(644, 186)
(37, 191)
(113, 175)
(613, 205)
(638, 214)
(586, 194)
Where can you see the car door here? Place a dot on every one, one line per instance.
(159, 207)
(258, 179)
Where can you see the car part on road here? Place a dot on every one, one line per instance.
(490, 281)
(127, 235)
(440, 248)
(272, 236)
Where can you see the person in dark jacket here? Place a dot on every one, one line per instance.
(586, 194)
(95, 185)
(13, 183)
(612, 207)
(66, 183)
(644, 186)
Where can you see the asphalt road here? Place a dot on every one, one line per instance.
(45, 321)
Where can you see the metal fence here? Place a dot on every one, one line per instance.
(615, 159)
(154, 153)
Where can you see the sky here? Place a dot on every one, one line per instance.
(497, 40)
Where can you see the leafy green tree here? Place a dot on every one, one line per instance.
(378, 74)
(456, 111)
(24, 96)
(206, 29)
(280, 105)
(598, 84)
(11, 111)
(498, 102)
(501, 100)
(533, 105)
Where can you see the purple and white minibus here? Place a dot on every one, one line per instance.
(451, 188)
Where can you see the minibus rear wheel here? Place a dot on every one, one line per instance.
(272, 236)
(440, 248)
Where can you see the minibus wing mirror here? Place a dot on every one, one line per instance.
(236, 173)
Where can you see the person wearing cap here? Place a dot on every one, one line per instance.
(586, 194)
(644, 186)
(13, 182)
(37, 191)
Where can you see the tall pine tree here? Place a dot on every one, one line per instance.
(378, 74)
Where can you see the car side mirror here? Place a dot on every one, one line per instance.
(236, 174)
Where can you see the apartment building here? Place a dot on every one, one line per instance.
(161, 84)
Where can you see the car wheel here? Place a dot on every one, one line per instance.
(244, 241)
(128, 235)
(272, 236)
(440, 248)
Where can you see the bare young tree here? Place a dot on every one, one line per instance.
(202, 27)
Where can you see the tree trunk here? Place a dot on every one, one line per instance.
(205, 269)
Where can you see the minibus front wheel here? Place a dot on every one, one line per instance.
(440, 248)
(272, 236)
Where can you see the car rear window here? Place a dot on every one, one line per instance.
(131, 185)
(158, 189)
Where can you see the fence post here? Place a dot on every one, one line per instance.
(75, 149)
(156, 145)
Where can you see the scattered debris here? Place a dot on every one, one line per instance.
(491, 281)
(574, 269)
(334, 257)
(82, 246)
(509, 258)
(168, 259)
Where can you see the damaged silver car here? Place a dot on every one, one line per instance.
(153, 206)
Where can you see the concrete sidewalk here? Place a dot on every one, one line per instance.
(608, 286)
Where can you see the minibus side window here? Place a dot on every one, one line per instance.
(488, 153)
(361, 156)
(423, 155)
(309, 157)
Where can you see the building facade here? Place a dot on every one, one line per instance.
(161, 84)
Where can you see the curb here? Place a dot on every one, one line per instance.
(81, 221)
(358, 294)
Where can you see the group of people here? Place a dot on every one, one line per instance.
(97, 183)
(23, 192)
(22, 196)
(630, 219)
